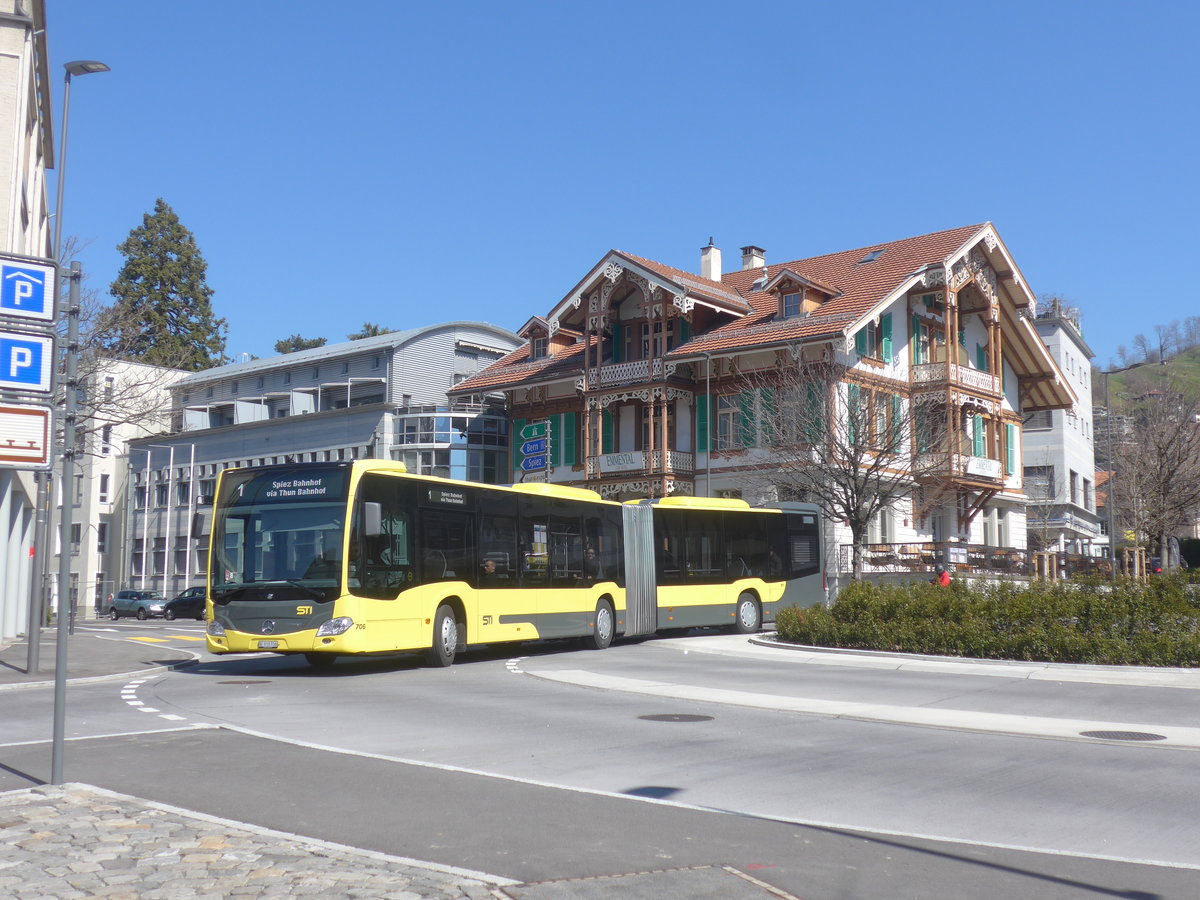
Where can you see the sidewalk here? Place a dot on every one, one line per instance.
(89, 657)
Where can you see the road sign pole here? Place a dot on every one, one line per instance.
(63, 616)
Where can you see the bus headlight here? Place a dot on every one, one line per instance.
(340, 625)
(215, 628)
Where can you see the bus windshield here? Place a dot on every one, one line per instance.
(281, 527)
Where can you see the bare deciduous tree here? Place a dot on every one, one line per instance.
(846, 447)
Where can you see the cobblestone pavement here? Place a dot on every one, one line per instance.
(78, 841)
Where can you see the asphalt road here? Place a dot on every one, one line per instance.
(535, 767)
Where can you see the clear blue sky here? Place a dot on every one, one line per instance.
(409, 163)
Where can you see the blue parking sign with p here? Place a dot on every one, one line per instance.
(27, 291)
(25, 361)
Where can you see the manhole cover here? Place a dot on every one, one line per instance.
(1123, 735)
(243, 682)
(676, 717)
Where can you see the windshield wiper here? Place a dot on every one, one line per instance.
(310, 590)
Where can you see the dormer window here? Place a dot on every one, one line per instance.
(539, 347)
(792, 305)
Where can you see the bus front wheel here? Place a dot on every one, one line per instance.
(749, 617)
(603, 627)
(445, 638)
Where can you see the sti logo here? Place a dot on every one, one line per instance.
(23, 292)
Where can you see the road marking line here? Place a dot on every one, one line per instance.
(1178, 737)
(149, 640)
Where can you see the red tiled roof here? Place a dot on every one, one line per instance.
(861, 286)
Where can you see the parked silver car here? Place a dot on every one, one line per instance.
(143, 604)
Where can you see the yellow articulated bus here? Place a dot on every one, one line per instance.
(362, 558)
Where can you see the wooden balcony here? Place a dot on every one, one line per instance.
(632, 372)
(640, 462)
(939, 375)
(958, 466)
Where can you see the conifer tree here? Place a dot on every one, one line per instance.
(163, 312)
(296, 343)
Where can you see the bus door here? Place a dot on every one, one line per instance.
(641, 597)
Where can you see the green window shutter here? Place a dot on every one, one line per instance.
(517, 425)
(962, 336)
(1010, 446)
(618, 337)
(746, 409)
(916, 341)
(1003, 380)
(897, 425)
(769, 411)
(885, 328)
(814, 421)
(852, 407)
(860, 343)
(606, 431)
(977, 434)
(685, 331)
(702, 437)
(569, 439)
(981, 357)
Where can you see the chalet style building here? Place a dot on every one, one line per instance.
(641, 374)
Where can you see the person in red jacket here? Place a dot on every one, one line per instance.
(942, 578)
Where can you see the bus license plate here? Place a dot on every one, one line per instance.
(267, 645)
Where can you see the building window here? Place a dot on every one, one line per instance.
(1075, 488)
(729, 422)
(159, 556)
(1039, 482)
(161, 496)
(376, 362)
(183, 493)
(233, 387)
(538, 348)
(181, 554)
(208, 488)
(78, 490)
(208, 392)
(875, 340)
(110, 385)
(287, 377)
(104, 488)
(139, 496)
(1087, 494)
(791, 305)
(102, 537)
(1040, 421)
(106, 440)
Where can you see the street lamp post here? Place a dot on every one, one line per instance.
(70, 407)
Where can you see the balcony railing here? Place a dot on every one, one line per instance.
(922, 559)
(640, 462)
(957, 465)
(937, 374)
(625, 373)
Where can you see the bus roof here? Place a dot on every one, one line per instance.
(701, 503)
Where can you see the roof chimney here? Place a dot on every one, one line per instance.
(710, 262)
(753, 258)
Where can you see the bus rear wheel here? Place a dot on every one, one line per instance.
(749, 616)
(445, 638)
(603, 627)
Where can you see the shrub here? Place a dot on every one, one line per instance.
(1085, 621)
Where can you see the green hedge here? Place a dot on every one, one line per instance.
(1086, 620)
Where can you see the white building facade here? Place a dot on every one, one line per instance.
(1060, 459)
(26, 152)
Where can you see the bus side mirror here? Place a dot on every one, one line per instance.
(372, 519)
(197, 525)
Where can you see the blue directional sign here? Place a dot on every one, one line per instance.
(531, 448)
(533, 463)
(26, 290)
(26, 361)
